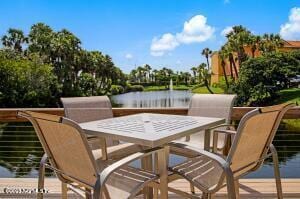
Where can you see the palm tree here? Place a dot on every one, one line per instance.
(148, 70)
(237, 39)
(155, 75)
(227, 52)
(222, 56)
(204, 76)
(270, 43)
(206, 52)
(254, 43)
(194, 70)
(14, 39)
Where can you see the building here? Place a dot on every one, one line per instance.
(217, 71)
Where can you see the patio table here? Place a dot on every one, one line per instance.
(152, 130)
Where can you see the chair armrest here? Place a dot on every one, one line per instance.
(222, 162)
(104, 175)
(230, 132)
(222, 125)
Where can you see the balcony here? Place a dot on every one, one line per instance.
(20, 153)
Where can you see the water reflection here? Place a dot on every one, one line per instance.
(20, 150)
(152, 99)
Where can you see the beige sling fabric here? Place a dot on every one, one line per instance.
(256, 132)
(251, 144)
(207, 105)
(69, 154)
(86, 109)
(62, 142)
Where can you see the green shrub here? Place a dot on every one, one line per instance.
(27, 83)
(116, 89)
(134, 88)
(261, 78)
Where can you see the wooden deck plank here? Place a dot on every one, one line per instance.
(249, 188)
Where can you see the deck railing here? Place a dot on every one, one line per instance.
(20, 150)
(10, 115)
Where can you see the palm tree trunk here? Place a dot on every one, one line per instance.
(224, 72)
(231, 72)
(235, 69)
(207, 63)
(207, 86)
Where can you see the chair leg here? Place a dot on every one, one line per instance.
(155, 190)
(205, 195)
(41, 179)
(147, 165)
(237, 188)
(230, 184)
(88, 194)
(64, 190)
(192, 187)
(276, 172)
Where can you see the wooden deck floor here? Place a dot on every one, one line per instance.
(249, 188)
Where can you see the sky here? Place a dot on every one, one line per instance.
(161, 33)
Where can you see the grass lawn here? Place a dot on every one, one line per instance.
(204, 90)
(288, 95)
(194, 89)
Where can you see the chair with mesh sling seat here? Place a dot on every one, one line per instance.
(87, 109)
(73, 162)
(208, 105)
(252, 144)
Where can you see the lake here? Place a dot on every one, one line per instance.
(20, 150)
(152, 99)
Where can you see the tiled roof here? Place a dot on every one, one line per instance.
(292, 44)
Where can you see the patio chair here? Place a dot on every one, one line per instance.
(252, 144)
(86, 109)
(73, 162)
(208, 105)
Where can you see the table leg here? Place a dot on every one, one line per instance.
(207, 140)
(163, 160)
(103, 148)
(147, 164)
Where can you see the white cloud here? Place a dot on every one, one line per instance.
(291, 29)
(226, 30)
(128, 56)
(195, 30)
(167, 42)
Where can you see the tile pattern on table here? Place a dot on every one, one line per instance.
(147, 123)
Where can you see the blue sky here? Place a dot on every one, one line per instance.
(162, 33)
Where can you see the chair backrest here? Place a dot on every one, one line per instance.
(86, 109)
(212, 105)
(254, 135)
(66, 146)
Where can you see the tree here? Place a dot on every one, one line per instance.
(228, 53)
(270, 43)
(262, 77)
(254, 42)
(203, 76)
(206, 52)
(14, 39)
(238, 38)
(148, 71)
(194, 70)
(26, 82)
(40, 38)
(222, 56)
